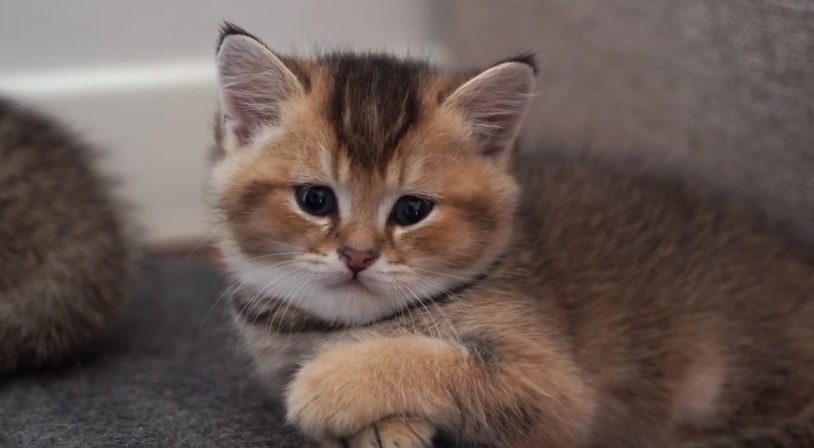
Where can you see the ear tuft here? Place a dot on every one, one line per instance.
(526, 57)
(230, 29)
(494, 104)
(253, 83)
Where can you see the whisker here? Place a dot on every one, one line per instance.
(252, 304)
(423, 305)
(235, 284)
(444, 290)
(451, 326)
(291, 285)
(240, 282)
(255, 301)
(454, 277)
(302, 282)
(208, 237)
(273, 254)
(402, 302)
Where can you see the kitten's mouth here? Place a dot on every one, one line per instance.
(354, 283)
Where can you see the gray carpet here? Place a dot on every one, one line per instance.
(170, 376)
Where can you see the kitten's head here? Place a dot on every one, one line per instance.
(351, 186)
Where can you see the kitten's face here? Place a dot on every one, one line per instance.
(361, 191)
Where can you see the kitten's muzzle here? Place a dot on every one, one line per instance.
(358, 260)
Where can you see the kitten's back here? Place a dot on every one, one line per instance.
(687, 290)
(66, 245)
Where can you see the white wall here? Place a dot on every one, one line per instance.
(137, 76)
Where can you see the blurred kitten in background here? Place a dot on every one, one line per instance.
(67, 247)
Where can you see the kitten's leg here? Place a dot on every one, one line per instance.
(394, 432)
(516, 392)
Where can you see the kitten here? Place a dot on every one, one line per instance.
(403, 275)
(67, 251)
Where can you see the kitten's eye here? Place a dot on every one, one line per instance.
(411, 210)
(316, 200)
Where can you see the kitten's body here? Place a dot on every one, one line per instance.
(67, 252)
(597, 308)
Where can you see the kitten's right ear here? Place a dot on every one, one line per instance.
(494, 104)
(253, 84)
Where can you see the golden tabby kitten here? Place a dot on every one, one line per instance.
(401, 278)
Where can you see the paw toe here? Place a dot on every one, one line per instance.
(395, 433)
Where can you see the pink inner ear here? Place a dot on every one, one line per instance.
(494, 103)
(496, 133)
(248, 101)
(234, 126)
(254, 84)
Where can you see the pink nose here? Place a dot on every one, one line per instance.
(358, 260)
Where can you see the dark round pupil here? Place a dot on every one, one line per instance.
(411, 210)
(316, 200)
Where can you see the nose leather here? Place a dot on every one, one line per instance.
(358, 260)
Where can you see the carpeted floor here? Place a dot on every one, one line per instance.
(170, 376)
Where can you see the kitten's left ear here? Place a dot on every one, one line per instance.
(494, 104)
(254, 84)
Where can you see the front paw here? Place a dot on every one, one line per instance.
(333, 399)
(394, 432)
(348, 388)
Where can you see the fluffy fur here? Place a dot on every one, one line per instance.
(549, 302)
(67, 251)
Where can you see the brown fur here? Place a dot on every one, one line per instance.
(613, 309)
(67, 253)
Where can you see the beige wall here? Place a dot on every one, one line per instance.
(720, 88)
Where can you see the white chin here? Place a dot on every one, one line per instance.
(338, 300)
(350, 304)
